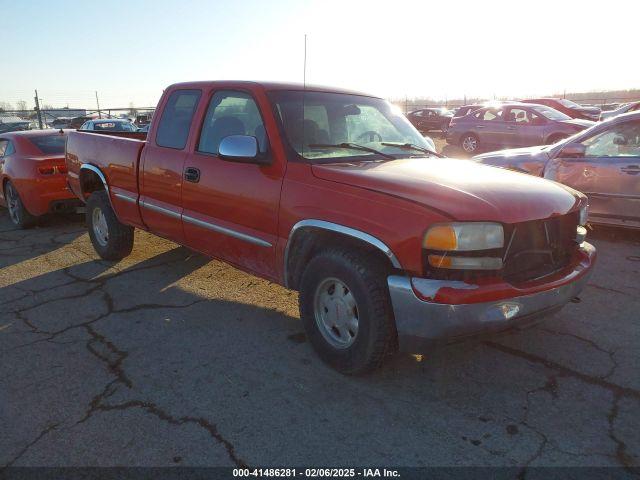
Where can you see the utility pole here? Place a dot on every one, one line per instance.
(38, 110)
(98, 104)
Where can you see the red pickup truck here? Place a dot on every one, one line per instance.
(335, 194)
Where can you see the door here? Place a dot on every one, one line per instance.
(490, 127)
(609, 173)
(523, 127)
(162, 165)
(231, 209)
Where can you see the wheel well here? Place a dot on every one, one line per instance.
(306, 242)
(90, 182)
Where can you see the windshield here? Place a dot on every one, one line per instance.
(49, 144)
(568, 103)
(551, 113)
(332, 119)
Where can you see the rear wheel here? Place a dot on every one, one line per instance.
(111, 239)
(346, 310)
(469, 143)
(18, 214)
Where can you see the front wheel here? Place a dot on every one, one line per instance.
(346, 310)
(18, 214)
(111, 239)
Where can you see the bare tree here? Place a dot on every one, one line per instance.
(22, 106)
(5, 106)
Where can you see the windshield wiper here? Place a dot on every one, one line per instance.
(411, 146)
(352, 146)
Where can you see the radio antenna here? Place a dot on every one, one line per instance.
(304, 88)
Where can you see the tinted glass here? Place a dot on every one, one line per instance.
(173, 128)
(10, 149)
(49, 144)
(231, 113)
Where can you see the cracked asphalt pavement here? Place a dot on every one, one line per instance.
(169, 358)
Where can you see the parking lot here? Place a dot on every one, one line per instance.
(168, 358)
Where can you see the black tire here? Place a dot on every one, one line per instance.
(118, 241)
(472, 140)
(365, 277)
(18, 214)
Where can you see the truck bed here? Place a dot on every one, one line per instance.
(117, 156)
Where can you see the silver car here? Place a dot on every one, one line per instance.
(603, 162)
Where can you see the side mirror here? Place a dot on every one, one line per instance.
(241, 148)
(573, 150)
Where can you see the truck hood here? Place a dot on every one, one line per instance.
(460, 189)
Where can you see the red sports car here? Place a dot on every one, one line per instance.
(33, 177)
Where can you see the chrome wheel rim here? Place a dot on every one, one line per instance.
(12, 204)
(100, 228)
(336, 313)
(469, 144)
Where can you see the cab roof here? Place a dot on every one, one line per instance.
(268, 86)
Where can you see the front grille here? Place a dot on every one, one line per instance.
(538, 248)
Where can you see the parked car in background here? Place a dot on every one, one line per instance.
(335, 194)
(427, 119)
(33, 175)
(569, 108)
(627, 107)
(602, 161)
(13, 124)
(465, 110)
(511, 125)
(144, 129)
(109, 125)
(143, 119)
(60, 123)
(77, 122)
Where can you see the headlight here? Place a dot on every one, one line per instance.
(584, 215)
(464, 237)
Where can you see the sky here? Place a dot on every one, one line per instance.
(128, 51)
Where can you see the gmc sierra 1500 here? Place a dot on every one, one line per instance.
(336, 195)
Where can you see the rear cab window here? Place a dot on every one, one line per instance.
(175, 122)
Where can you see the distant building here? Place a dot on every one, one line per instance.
(53, 113)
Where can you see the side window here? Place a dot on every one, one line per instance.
(3, 147)
(490, 115)
(231, 113)
(621, 141)
(173, 128)
(518, 115)
(10, 149)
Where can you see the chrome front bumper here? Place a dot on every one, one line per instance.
(421, 323)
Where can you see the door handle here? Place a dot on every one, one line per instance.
(479, 126)
(511, 128)
(192, 174)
